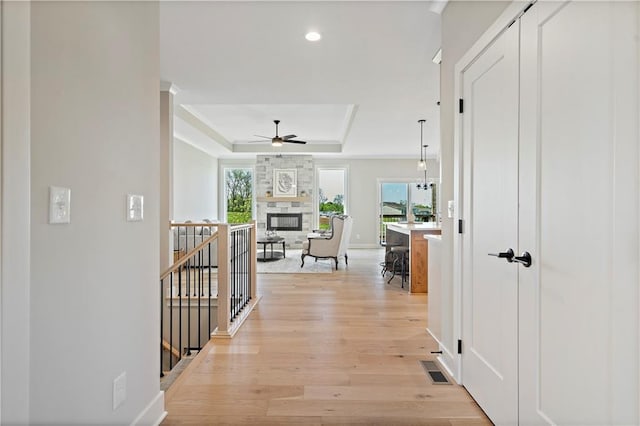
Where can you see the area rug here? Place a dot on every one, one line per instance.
(291, 265)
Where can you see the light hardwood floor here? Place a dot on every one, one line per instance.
(340, 348)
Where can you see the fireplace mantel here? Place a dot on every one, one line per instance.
(283, 199)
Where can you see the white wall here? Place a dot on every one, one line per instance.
(15, 308)
(195, 183)
(95, 129)
(363, 190)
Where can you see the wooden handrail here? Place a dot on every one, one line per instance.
(241, 226)
(192, 224)
(184, 259)
(170, 348)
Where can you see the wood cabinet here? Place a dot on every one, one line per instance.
(413, 234)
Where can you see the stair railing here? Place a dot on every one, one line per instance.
(188, 298)
(208, 292)
(237, 291)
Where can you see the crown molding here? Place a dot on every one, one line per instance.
(197, 123)
(287, 148)
(348, 122)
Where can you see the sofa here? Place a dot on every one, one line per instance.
(188, 235)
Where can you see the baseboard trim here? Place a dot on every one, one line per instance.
(444, 358)
(154, 412)
(217, 335)
(364, 246)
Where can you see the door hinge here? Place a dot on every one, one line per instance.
(459, 346)
(461, 105)
(527, 8)
(460, 226)
(523, 12)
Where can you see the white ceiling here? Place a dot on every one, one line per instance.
(360, 90)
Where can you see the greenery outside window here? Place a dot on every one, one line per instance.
(331, 184)
(238, 184)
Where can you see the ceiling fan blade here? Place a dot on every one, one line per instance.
(292, 141)
(260, 136)
(288, 137)
(258, 142)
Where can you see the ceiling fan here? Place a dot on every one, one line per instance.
(279, 140)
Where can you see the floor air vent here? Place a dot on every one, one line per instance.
(434, 373)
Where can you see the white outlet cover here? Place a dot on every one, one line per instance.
(59, 205)
(135, 207)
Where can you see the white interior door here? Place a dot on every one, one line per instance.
(489, 284)
(574, 311)
(579, 214)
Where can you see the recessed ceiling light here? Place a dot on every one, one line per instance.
(313, 36)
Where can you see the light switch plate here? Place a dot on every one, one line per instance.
(450, 209)
(119, 390)
(135, 208)
(59, 205)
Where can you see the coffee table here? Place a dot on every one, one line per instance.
(269, 255)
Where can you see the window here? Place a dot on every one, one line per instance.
(396, 196)
(238, 184)
(331, 184)
(422, 202)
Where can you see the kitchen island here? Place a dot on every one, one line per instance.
(412, 235)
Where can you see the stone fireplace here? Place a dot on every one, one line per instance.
(300, 205)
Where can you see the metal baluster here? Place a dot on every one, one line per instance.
(180, 269)
(248, 256)
(178, 239)
(201, 287)
(199, 300)
(240, 266)
(240, 270)
(196, 265)
(233, 275)
(244, 268)
(161, 331)
(189, 268)
(170, 322)
(237, 273)
(234, 278)
(209, 299)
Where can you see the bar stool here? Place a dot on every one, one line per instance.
(387, 265)
(398, 257)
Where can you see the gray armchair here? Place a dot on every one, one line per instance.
(333, 246)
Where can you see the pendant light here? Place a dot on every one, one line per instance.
(422, 164)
